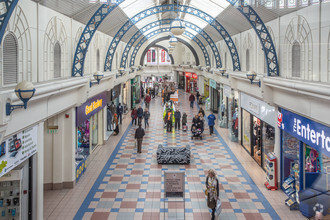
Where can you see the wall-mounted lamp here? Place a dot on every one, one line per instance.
(97, 76)
(222, 71)
(24, 91)
(251, 75)
(121, 71)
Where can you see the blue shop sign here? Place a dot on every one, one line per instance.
(310, 132)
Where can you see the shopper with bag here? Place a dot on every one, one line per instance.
(212, 191)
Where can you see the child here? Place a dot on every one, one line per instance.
(184, 122)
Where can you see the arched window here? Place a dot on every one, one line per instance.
(98, 60)
(57, 60)
(296, 59)
(247, 60)
(10, 59)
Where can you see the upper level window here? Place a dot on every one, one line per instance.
(57, 60)
(10, 59)
(296, 60)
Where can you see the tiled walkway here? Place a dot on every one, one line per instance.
(130, 186)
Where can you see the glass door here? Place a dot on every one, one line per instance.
(94, 128)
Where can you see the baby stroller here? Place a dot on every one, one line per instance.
(197, 130)
(184, 127)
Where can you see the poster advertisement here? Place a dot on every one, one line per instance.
(162, 56)
(174, 183)
(149, 56)
(153, 56)
(16, 149)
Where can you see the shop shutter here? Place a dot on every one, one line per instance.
(296, 60)
(10, 60)
(57, 60)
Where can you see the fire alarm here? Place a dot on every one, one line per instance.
(67, 115)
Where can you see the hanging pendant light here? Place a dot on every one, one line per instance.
(177, 27)
(173, 41)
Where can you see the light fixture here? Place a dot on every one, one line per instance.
(121, 71)
(177, 27)
(24, 91)
(97, 76)
(222, 71)
(173, 41)
(251, 75)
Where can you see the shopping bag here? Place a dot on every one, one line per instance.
(218, 207)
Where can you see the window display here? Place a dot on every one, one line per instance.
(246, 140)
(223, 113)
(94, 126)
(233, 116)
(256, 139)
(268, 141)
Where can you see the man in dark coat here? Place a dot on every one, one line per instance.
(139, 133)
(177, 117)
(140, 114)
(191, 100)
(120, 111)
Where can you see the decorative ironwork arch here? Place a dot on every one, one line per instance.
(162, 30)
(154, 24)
(166, 8)
(4, 18)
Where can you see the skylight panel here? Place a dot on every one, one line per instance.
(211, 7)
(132, 7)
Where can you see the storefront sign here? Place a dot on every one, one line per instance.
(310, 132)
(259, 109)
(213, 84)
(206, 81)
(149, 56)
(18, 148)
(226, 90)
(89, 108)
(188, 74)
(174, 183)
(194, 76)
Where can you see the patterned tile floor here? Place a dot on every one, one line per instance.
(131, 185)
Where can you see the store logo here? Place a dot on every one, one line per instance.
(307, 132)
(280, 120)
(254, 107)
(94, 105)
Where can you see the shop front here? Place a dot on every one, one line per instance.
(215, 97)
(191, 82)
(135, 91)
(89, 123)
(305, 163)
(181, 80)
(18, 153)
(233, 115)
(206, 88)
(258, 128)
(225, 93)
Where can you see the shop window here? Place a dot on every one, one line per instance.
(98, 59)
(246, 139)
(57, 60)
(268, 141)
(10, 59)
(290, 158)
(94, 128)
(296, 60)
(247, 60)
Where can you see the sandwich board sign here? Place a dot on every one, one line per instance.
(174, 183)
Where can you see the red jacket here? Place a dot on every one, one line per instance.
(148, 99)
(134, 113)
(191, 98)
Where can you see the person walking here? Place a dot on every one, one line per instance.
(192, 100)
(211, 118)
(169, 124)
(184, 120)
(113, 108)
(147, 100)
(146, 116)
(177, 118)
(212, 187)
(109, 119)
(139, 133)
(120, 110)
(115, 120)
(140, 114)
(134, 115)
(201, 110)
(197, 96)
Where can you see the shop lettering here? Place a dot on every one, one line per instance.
(254, 107)
(315, 137)
(94, 105)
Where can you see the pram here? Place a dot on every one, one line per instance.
(184, 127)
(197, 133)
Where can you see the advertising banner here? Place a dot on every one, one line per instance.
(310, 132)
(149, 56)
(226, 90)
(213, 84)
(90, 107)
(153, 55)
(174, 183)
(18, 148)
(162, 56)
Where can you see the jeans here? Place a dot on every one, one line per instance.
(211, 129)
(134, 120)
(191, 104)
(139, 120)
(147, 105)
(213, 214)
(146, 122)
(120, 116)
(177, 123)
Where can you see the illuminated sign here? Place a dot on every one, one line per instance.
(194, 76)
(188, 74)
(90, 107)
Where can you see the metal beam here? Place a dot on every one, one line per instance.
(5, 15)
(154, 24)
(167, 8)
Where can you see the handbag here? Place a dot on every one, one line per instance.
(218, 207)
(206, 192)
